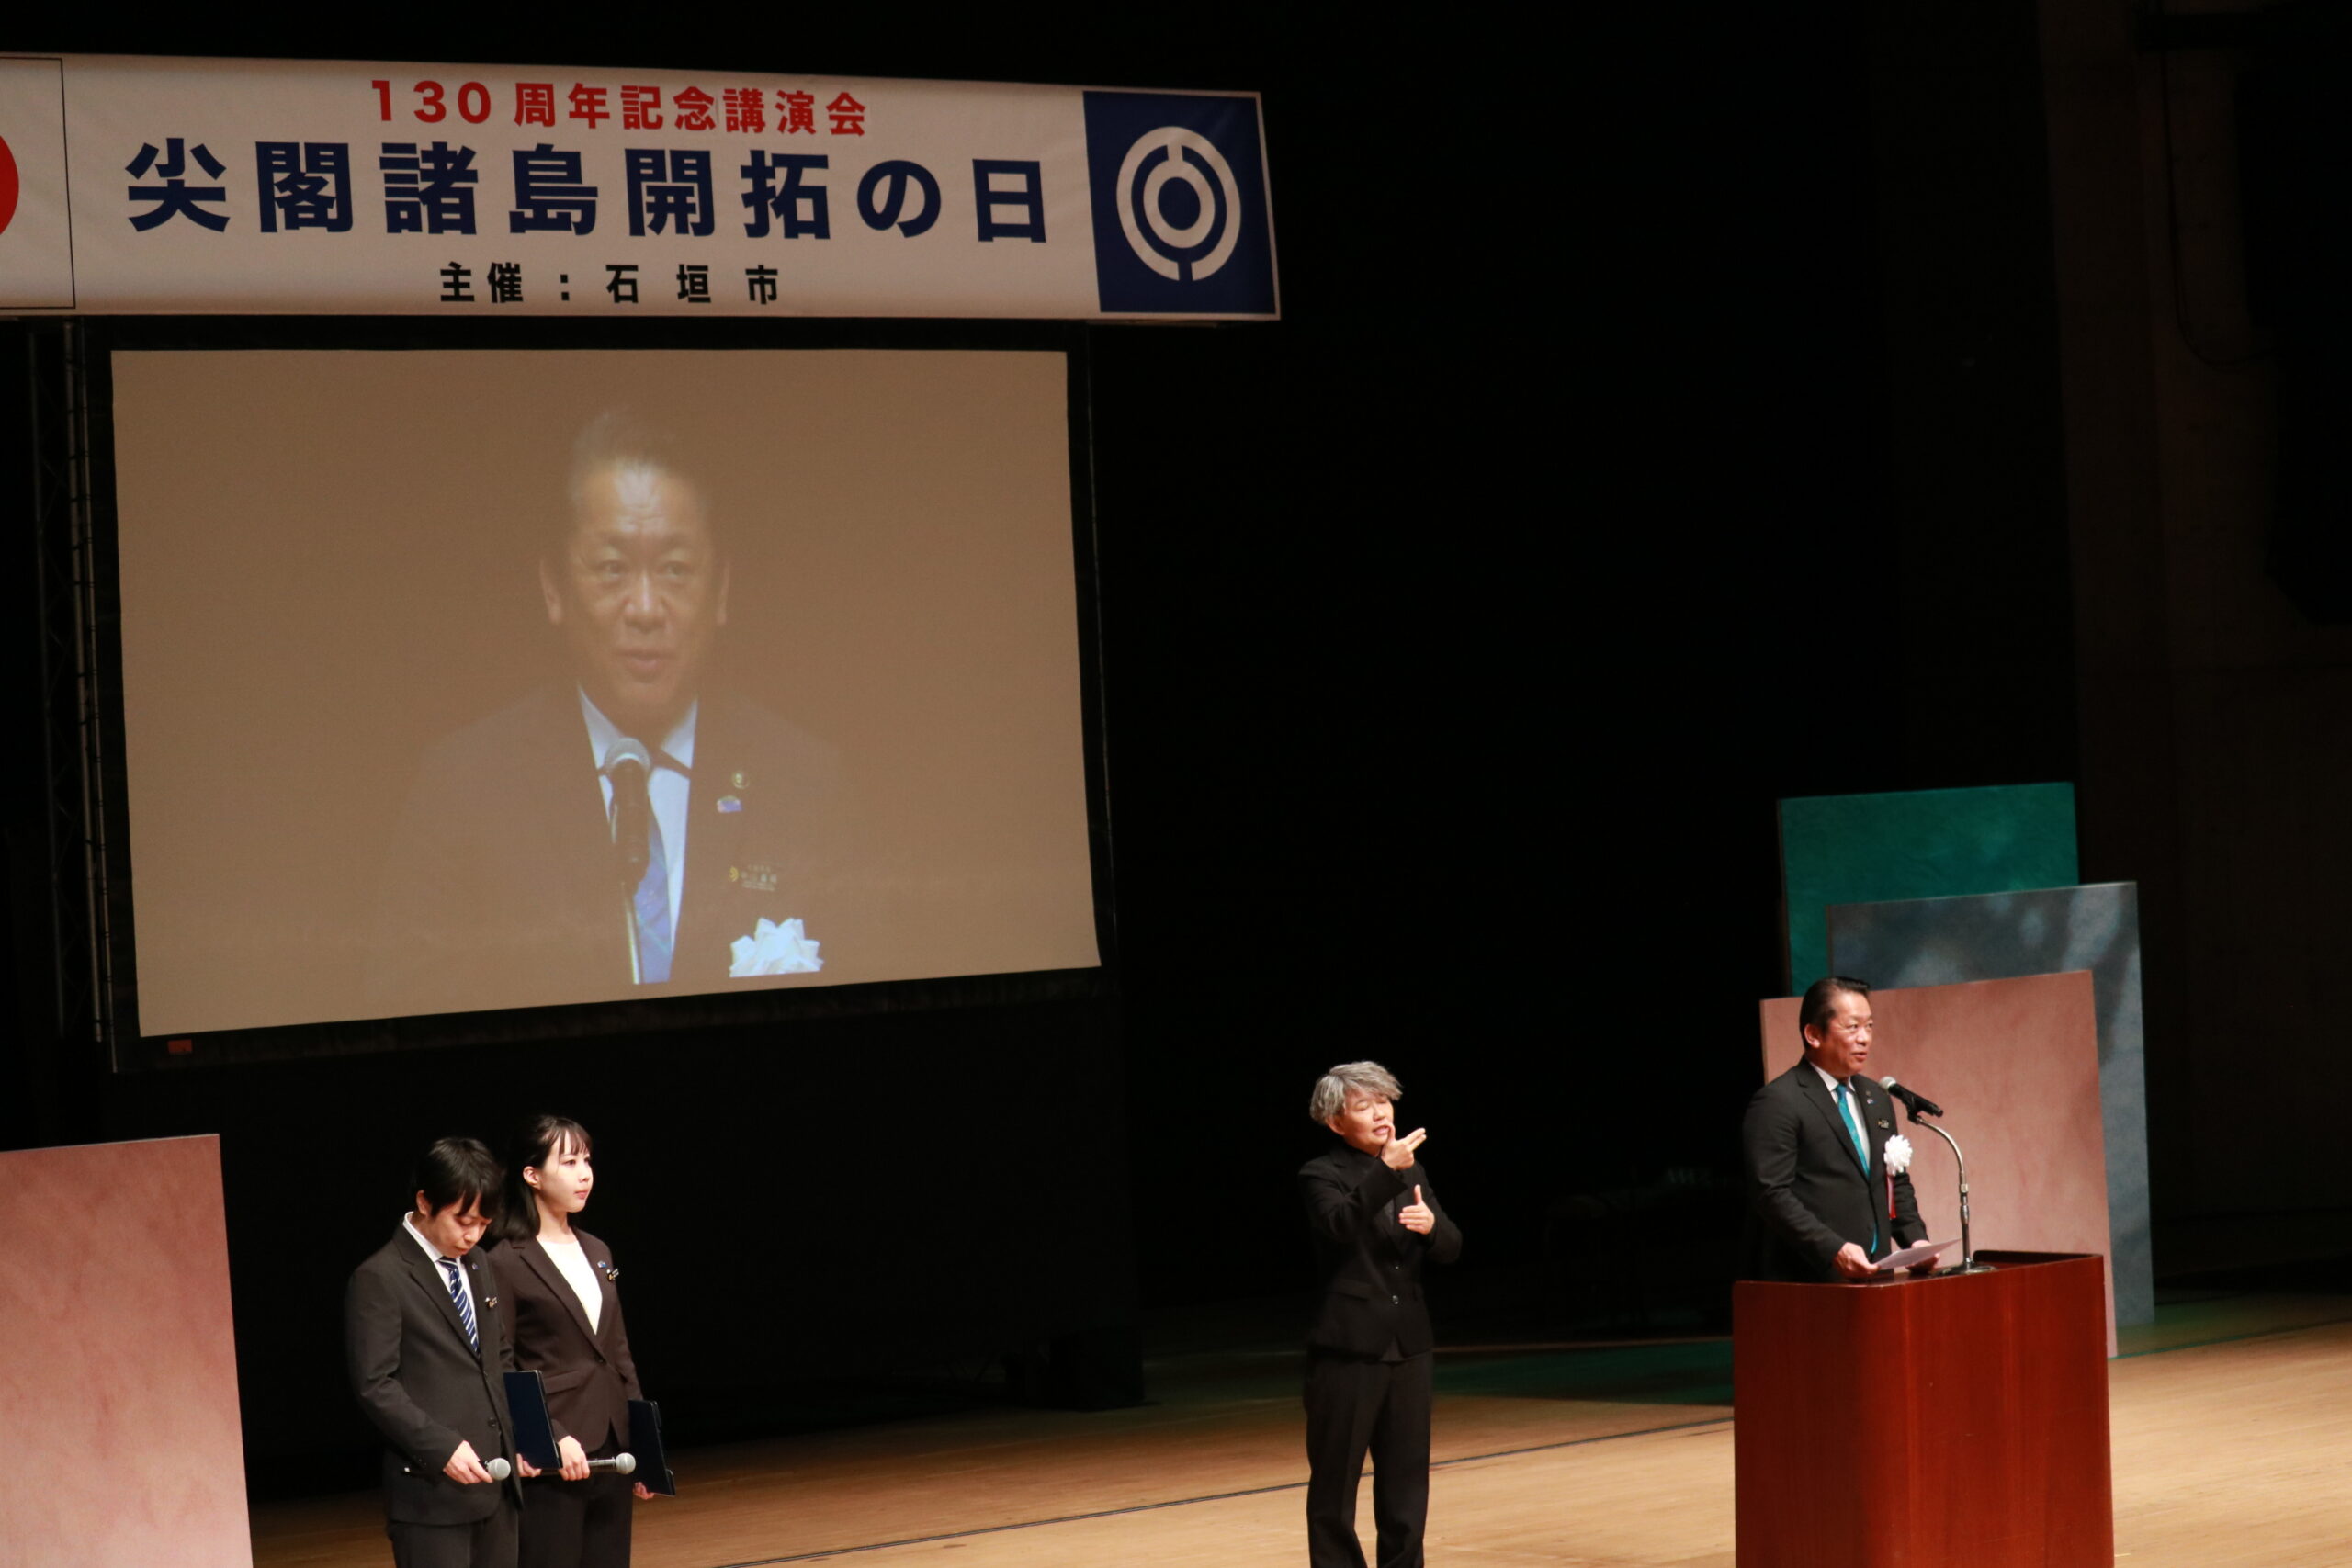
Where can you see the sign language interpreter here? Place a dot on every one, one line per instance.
(1375, 1221)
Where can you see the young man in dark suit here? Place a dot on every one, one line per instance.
(1821, 1204)
(1375, 1220)
(427, 1352)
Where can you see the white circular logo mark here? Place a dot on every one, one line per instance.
(1174, 153)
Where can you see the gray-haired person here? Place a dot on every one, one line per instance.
(1376, 1221)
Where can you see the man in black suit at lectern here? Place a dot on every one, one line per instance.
(1375, 1220)
(428, 1358)
(1821, 1203)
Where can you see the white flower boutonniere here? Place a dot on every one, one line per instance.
(774, 949)
(1898, 1155)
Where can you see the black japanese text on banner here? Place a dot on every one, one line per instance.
(176, 187)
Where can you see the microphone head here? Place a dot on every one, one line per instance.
(626, 752)
(625, 1464)
(499, 1468)
(1887, 1082)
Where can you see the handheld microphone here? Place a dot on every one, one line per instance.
(496, 1464)
(619, 1464)
(629, 765)
(1920, 1103)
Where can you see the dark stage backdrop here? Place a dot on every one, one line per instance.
(1460, 631)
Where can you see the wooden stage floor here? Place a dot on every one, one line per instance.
(2232, 1425)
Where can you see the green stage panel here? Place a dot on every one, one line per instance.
(1929, 843)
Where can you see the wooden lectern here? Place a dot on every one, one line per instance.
(1957, 1421)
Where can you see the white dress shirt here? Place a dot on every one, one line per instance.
(668, 788)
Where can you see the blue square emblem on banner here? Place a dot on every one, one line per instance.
(1182, 225)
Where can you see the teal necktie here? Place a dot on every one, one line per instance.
(1861, 1150)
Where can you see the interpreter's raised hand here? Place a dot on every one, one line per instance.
(1396, 1154)
(465, 1468)
(1417, 1217)
(1854, 1263)
(576, 1459)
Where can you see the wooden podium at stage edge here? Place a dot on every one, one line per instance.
(1957, 1421)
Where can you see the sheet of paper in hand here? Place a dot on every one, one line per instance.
(1911, 1255)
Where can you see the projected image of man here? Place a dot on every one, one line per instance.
(636, 824)
(638, 588)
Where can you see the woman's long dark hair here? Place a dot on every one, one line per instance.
(534, 1146)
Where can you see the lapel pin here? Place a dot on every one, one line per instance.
(729, 803)
(1881, 1121)
(492, 1301)
(738, 780)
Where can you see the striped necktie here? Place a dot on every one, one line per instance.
(465, 1307)
(652, 908)
(650, 900)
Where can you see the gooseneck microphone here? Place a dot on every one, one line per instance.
(1920, 1103)
(1922, 1106)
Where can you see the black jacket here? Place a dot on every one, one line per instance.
(589, 1375)
(1371, 1265)
(1807, 1193)
(425, 1389)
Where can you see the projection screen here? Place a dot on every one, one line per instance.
(390, 619)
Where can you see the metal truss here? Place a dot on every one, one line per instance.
(73, 738)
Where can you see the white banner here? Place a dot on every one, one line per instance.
(203, 186)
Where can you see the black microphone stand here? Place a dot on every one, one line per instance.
(1968, 1264)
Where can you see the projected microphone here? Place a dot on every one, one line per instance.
(1920, 1103)
(628, 764)
(497, 1466)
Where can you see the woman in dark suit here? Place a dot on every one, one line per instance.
(563, 1317)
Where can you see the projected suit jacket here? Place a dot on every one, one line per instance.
(425, 1389)
(1808, 1193)
(500, 886)
(1371, 1264)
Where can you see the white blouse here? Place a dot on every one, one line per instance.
(573, 1264)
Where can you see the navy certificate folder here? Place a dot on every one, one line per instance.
(645, 1442)
(526, 1400)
